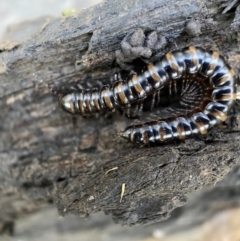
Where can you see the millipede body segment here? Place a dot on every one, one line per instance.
(205, 83)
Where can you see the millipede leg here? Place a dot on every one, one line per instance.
(158, 97)
(128, 112)
(116, 77)
(153, 100)
(175, 87)
(135, 112)
(170, 88)
(140, 107)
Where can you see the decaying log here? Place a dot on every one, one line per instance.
(84, 166)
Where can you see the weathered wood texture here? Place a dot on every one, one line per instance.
(44, 156)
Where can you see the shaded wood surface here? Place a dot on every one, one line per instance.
(81, 167)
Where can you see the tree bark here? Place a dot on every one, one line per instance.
(83, 167)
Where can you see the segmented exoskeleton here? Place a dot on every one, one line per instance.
(217, 91)
(206, 93)
(119, 95)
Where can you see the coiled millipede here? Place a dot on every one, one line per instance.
(208, 89)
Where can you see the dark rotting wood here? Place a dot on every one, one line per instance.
(45, 156)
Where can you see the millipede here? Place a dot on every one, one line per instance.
(204, 83)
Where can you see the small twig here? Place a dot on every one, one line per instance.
(122, 192)
(110, 170)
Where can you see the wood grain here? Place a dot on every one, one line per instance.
(44, 156)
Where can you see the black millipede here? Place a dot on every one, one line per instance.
(207, 69)
(208, 90)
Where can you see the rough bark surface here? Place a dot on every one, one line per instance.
(82, 167)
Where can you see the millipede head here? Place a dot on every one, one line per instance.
(66, 102)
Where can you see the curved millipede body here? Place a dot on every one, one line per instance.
(204, 83)
(214, 90)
